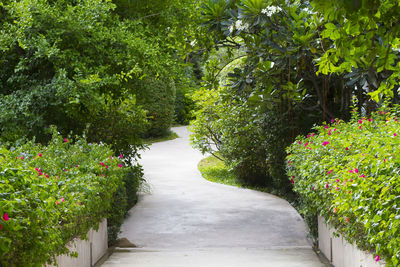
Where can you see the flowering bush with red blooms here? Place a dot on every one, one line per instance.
(51, 194)
(349, 174)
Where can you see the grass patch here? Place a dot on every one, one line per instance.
(215, 170)
(170, 136)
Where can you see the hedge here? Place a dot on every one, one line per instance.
(52, 194)
(349, 174)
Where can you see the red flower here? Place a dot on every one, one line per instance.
(1, 226)
(40, 154)
(120, 165)
(22, 158)
(102, 164)
(5, 217)
(326, 126)
(347, 219)
(360, 121)
(325, 143)
(347, 148)
(47, 176)
(292, 181)
(334, 210)
(327, 186)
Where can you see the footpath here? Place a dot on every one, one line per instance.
(187, 221)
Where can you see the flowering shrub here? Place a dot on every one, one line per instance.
(349, 174)
(51, 194)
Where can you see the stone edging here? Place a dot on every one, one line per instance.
(90, 251)
(339, 252)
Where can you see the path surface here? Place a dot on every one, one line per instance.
(187, 221)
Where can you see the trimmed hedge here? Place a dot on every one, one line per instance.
(51, 194)
(349, 173)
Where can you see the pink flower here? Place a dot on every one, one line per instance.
(369, 119)
(356, 170)
(120, 156)
(106, 167)
(22, 158)
(327, 186)
(76, 166)
(47, 176)
(120, 165)
(325, 143)
(65, 140)
(359, 127)
(362, 175)
(102, 164)
(62, 199)
(306, 144)
(347, 148)
(384, 160)
(330, 171)
(351, 171)
(299, 142)
(308, 136)
(377, 258)
(37, 169)
(5, 217)
(66, 170)
(330, 132)
(312, 134)
(360, 121)
(57, 203)
(16, 157)
(326, 126)
(40, 173)
(292, 181)
(332, 120)
(40, 154)
(395, 134)
(337, 180)
(313, 188)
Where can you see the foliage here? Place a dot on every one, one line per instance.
(124, 198)
(349, 173)
(52, 194)
(361, 38)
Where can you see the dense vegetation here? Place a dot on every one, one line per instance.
(112, 71)
(356, 183)
(51, 194)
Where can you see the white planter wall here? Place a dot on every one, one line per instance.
(89, 251)
(339, 252)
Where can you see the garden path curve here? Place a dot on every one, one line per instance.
(186, 221)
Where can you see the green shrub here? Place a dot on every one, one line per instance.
(51, 194)
(349, 174)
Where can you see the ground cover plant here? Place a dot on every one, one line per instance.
(54, 193)
(349, 174)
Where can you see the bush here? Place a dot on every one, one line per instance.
(52, 194)
(349, 174)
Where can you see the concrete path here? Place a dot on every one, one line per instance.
(186, 221)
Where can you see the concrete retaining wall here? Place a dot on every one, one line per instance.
(89, 251)
(339, 252)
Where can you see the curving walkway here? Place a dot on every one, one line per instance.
(187, 221)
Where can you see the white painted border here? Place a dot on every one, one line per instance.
(89, 251)
(339, 252)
